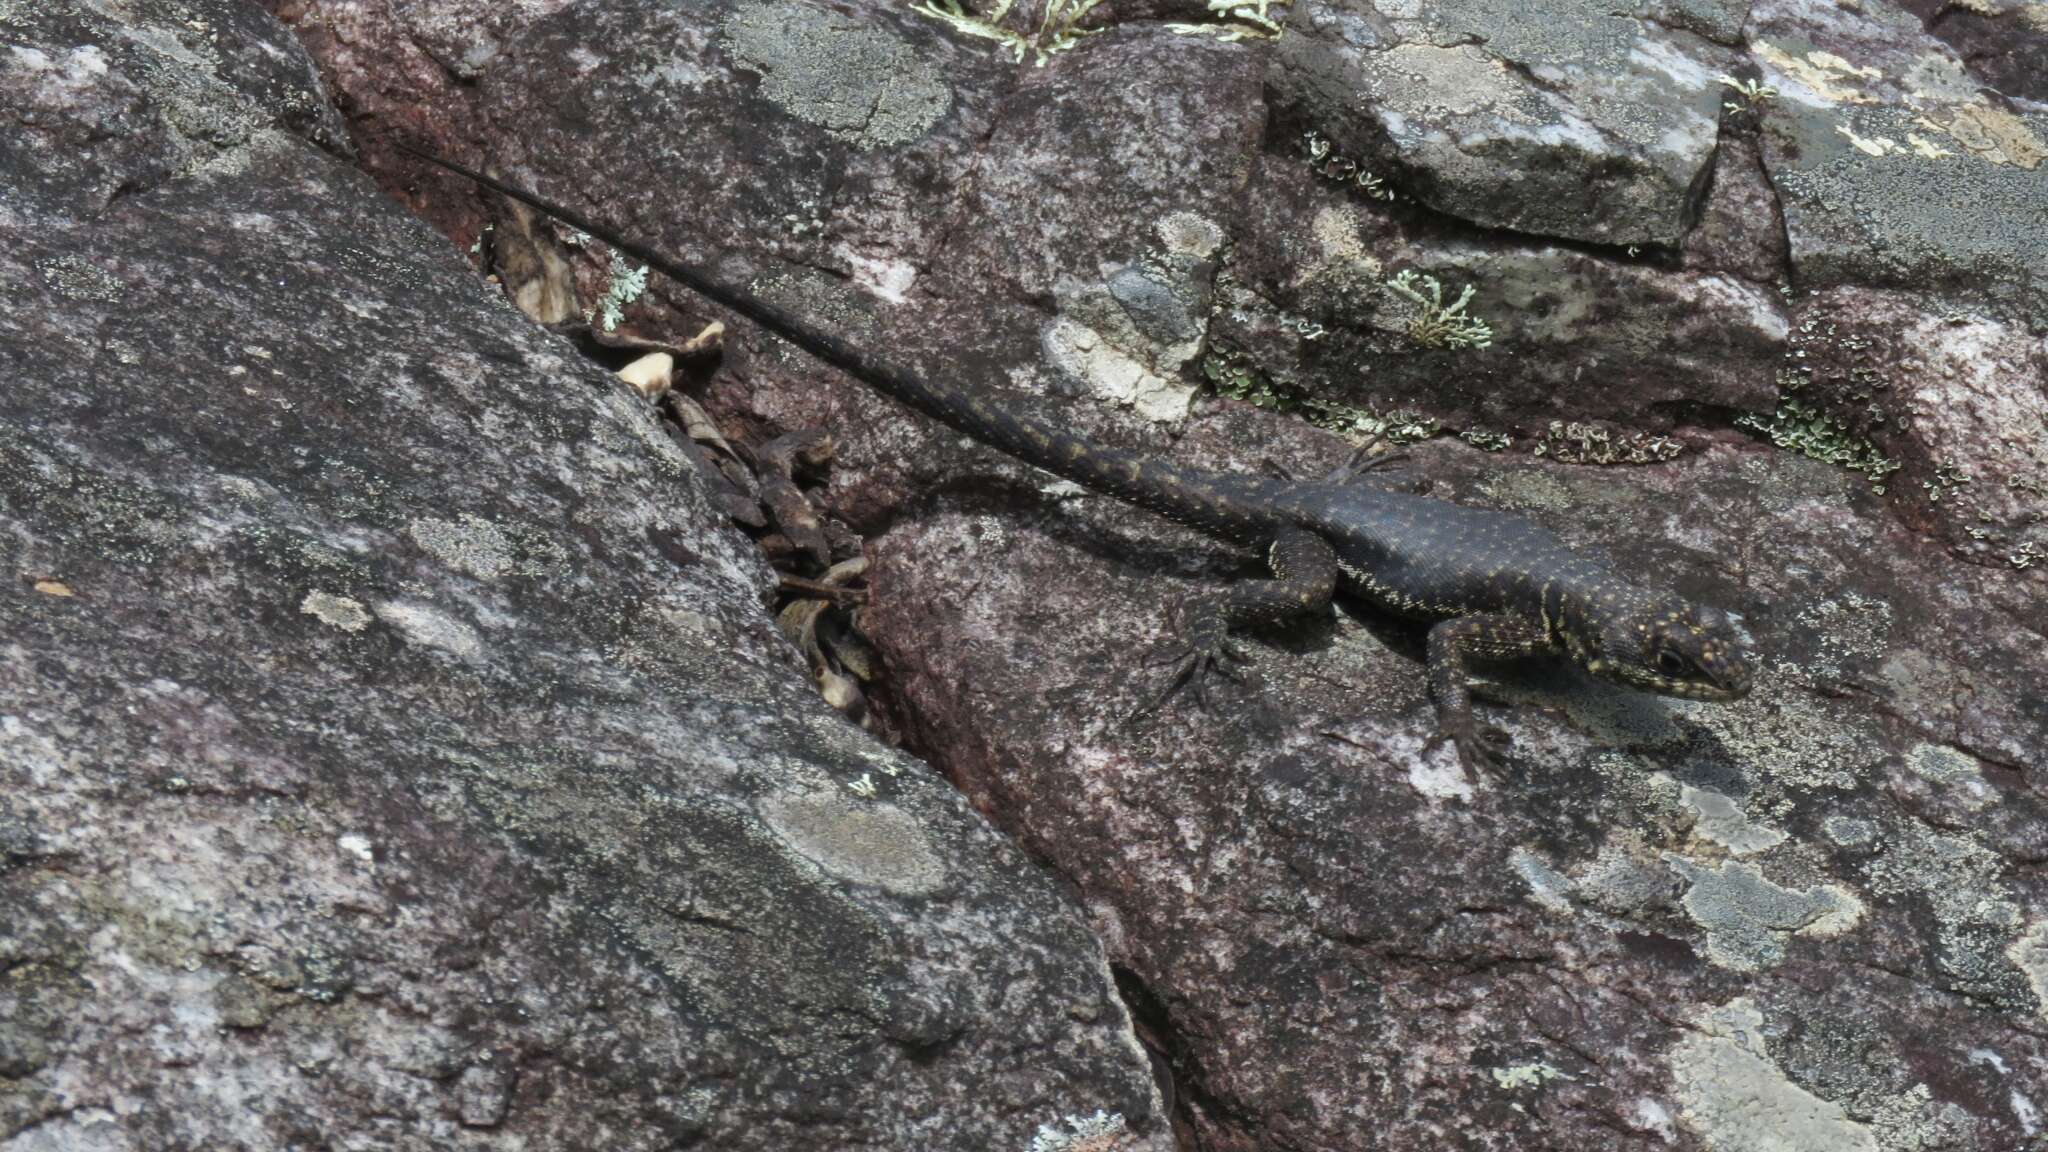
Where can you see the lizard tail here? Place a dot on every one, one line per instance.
(1224, 506)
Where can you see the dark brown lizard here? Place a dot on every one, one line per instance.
(1496, 586)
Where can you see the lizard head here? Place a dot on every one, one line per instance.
(1666, 645)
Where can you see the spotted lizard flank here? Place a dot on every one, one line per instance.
(1496, 586)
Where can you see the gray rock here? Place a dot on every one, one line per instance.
(1561, 118)
(393, 749)
(1893, 166)
(1333, 938)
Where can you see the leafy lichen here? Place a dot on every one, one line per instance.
(1435, 324)
(1815, 434)
(1230, 376)
(1058, 29)
(1573, 442)
(1242, 20)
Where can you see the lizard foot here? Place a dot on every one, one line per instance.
(1194, 663)
(1367, 459)
(1480, 746)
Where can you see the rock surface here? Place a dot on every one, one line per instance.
(394, 752)
(1817, 919)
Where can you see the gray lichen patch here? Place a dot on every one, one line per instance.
(2029, 954)
(430, 627)
(1739, 1100)
(473, 545)
(482, 549)
(1720, 820)
(338, 611)
(1975, 915)
(1955, 772)
(1894, 169)
(849, 75)
(1748, 919)
(858, 842)
(1561, 117)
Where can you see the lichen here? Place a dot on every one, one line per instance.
(1819, 436)
(626, 285)
(1231, 377)
(1434, 324)
(1574, 442)
(1325, 162)
(1058, 27)
(1739, 1100)
(1748, 919)
(1099, 1132)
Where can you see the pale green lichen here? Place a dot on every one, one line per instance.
(1753, 93)
(627, 285)
(1058, 29)
(1231, 377)
(1487, 440)
(1819, 436)
(1435, 324)
(1325, 162)
(1573, 442)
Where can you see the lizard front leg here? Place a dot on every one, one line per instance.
(1305, 575)
(1453, 644)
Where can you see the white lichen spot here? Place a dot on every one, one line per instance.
(1652, 1116)
(1868, 145)
(2024, 1111)
(1100, 1132)
(1738, 1100)
(1547, 886)
(1953, 770)
(358, 847)
(877, 844)
(431, 628)
(473, 545)
(2030, 954)
(1720, 820)
(863, 787)
(1439, 777)
(339, 611)
(1517, 1077)
(1190, 235)
(1113, 373)
(882, 277)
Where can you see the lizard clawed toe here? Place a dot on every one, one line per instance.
(1480, 746)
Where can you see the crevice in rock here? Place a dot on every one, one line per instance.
(1172, 1060)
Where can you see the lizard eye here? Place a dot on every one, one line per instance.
(1671, 664)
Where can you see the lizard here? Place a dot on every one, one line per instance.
(1491, 585)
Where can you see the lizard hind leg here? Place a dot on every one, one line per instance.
(1305, 576)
